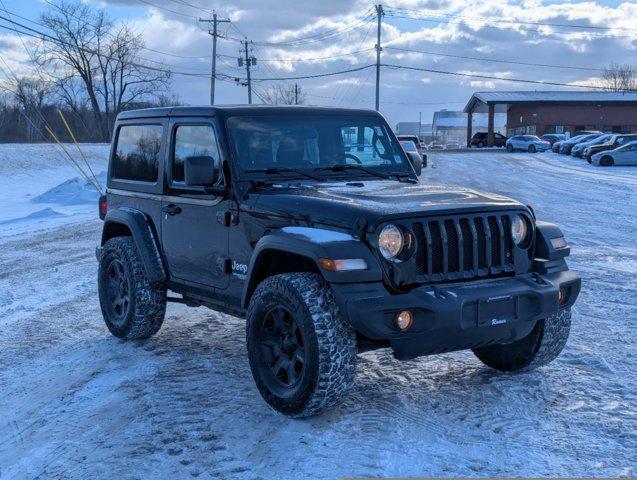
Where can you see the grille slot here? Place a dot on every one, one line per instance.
(467, 247)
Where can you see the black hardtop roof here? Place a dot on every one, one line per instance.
(202, 111)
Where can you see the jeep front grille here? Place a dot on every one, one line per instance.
(463, 247)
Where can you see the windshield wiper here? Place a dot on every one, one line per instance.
(279, 170)
(386, 176)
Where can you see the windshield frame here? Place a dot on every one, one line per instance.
(241, 173)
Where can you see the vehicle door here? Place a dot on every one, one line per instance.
(626, 155)
(194, 221)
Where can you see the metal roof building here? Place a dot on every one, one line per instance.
(540, 112)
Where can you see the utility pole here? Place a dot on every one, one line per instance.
(249, 62)
(379, 16)
(213, 32)
(296, 94)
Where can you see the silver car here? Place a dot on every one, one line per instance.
(528, 143)
(624, 155)
(578, 149)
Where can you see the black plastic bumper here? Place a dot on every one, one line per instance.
(457, 316)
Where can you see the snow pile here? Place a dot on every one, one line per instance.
(44, 214)
(72, 192)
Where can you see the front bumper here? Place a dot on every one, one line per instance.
(457, 316)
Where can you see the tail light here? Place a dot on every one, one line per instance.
(103, 206)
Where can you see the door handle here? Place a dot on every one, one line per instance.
(171, 209)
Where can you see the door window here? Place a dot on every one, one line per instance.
(193, 141)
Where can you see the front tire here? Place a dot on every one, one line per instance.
(132, 308)
(509, 148)
(538, 348)
(302, 352)
(532, 149)
(606, 161)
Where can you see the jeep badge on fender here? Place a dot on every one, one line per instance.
(312, 224)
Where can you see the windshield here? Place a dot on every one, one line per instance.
(310, 141)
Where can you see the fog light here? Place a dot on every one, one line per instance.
(404, 320)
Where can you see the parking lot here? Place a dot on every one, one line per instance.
(79, 403)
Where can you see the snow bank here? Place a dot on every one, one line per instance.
(44, 214)
(72, 192)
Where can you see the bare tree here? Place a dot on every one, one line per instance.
(284, 94)
(103, 56)
(619, 78)
(30, 95)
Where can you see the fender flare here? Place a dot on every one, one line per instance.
(545, 232)
(143, 236)
(313, 244)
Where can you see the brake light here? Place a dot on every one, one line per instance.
(103, 206)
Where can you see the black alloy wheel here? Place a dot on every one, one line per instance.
(118, 291)
(283, 349)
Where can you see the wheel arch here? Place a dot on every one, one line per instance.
(285, 252)
(134, 223)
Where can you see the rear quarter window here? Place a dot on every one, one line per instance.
(137, 152)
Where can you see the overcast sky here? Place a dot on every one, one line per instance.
(485, 30)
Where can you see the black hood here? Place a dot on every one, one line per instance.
(342, 203)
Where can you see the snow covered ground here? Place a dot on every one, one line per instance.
(76, 402)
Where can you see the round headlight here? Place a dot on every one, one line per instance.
(519, 229)
(391, 242)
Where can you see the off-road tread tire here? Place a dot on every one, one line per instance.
(538, 348)
(335, 341)
(148, 301)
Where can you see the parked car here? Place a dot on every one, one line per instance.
(528, 143)
(614, 142)
(585, 132)
(452, 146)
(557, 145)
(479, 140)
(325, 243)
(412, 138)
(417, 158)
(553, 137)
(624, 155)
(435, 146)
(566, 146)
(578, 149)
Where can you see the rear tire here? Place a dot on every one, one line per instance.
(132, 308)
(532, 149)
(509, 148)
(538, 348)
(606, 161)
(480, 144)
(302, 352)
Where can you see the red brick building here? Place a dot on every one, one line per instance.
(537, 113)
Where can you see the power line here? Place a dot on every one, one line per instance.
(499, 19)
(493, 77)
(296, 60)
(319, 75)
(494, 60)
(498, 25)
(174, 12)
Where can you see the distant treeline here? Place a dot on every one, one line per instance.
(27, 125)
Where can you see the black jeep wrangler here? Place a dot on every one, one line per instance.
(313, 225)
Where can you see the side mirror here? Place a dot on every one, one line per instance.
(200, 171)
(416, 161)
